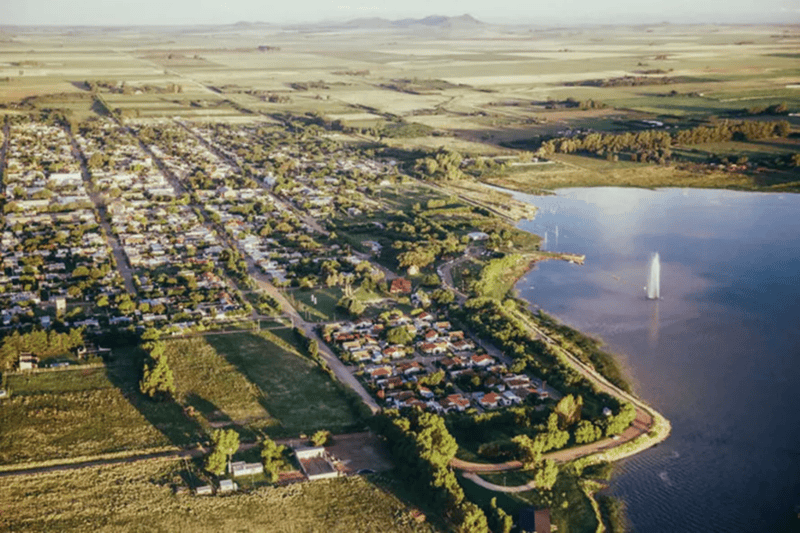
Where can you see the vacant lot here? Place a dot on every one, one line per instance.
(212, 386)
(85, 412)
(295, 391)
(141, 498)
(44, 426)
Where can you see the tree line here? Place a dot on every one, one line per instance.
(422, 449)
(39, 343)
(662, 141)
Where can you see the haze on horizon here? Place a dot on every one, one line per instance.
(566, 12)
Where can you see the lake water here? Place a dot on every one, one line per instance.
(718, 355)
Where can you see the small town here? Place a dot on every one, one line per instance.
(411, 268)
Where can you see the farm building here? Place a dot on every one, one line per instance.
(315, 463)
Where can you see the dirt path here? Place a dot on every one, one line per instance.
(478, 480)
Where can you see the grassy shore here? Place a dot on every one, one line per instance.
(577, 171)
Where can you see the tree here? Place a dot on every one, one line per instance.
(443, 296)
(568, 410)
(529, 451)
(272, 457)
(313, 348)
(586, 432)
(225, 442)
(499, 520)
(469, 518)
(321, 437)
(546, 475)
(352, 305)
(157, 381)
(399, 335)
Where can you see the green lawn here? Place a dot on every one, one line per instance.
(140, 497)
(325, 308)
(295, 391)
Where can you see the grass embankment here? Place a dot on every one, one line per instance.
(585, 348)
(498, 277)
(141, 497)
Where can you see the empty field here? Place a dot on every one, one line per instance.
(295, 391)
(140, 497)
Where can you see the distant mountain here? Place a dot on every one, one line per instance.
(434, 21)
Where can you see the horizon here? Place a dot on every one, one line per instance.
(96, 13)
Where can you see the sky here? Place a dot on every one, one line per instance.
(560, 12)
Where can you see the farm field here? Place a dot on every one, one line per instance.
(141, 497)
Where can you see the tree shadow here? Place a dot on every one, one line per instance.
(168, 417)
(82, 85)
(216, 418)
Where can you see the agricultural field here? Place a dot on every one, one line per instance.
(141, 497)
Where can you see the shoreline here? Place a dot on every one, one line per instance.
(649, 427)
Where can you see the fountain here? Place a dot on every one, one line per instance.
(654, 279)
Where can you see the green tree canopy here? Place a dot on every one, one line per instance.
(158, 381)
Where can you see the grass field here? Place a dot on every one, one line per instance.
(295, 391)
(140, 498)
(212, 386)
(78, 412)
(325, 308)
(44, 426)
(647, 176)
(240, 379)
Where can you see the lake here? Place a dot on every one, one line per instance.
(718, 355)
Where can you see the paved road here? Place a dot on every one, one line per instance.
(309, 328)
(3, 150)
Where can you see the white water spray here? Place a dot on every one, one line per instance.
(654, 279)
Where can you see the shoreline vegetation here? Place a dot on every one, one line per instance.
(569, 175)
(585, 355)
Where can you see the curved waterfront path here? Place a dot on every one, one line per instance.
(478, 480)
(647, 429)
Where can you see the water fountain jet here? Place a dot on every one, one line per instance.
(654, 279)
